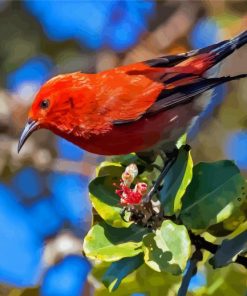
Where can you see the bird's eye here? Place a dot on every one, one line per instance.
(44, 104)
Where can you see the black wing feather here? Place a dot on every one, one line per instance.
(184, 94)
(173, 60)
(169, 98)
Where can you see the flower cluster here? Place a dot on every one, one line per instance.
(129, 196)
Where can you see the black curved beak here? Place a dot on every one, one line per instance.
(29, 128)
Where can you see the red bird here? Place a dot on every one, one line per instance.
(131, 108)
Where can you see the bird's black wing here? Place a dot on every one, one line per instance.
(184, 94)
(173, 60)
(193, 85)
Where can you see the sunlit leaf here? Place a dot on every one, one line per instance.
(227, 281)
(181, 141)
(119, 270)
(109, 168)
(168, 249)
(237, 219)
(213, 194)
(110, 244)
(99, 269)
(145, 281)
(103, 196)
(176, 182)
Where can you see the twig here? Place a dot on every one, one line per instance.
(169, 163)
(156, 166)
(201, 243)
(191, 271)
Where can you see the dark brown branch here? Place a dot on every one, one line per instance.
(200, 243)
(191, 271)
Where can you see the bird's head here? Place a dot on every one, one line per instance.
(54, 104)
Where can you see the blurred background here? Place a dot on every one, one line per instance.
(44, 208)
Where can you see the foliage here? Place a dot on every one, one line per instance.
(119, 270)
(229, 249)
(168, 249)
(217, 189)
(176, 183)
(166, 238)
(107, 243)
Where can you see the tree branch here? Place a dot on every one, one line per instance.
(191, 271)
(201, 243)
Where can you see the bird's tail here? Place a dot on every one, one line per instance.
(230, 78)
(227, 47)
(209, 56)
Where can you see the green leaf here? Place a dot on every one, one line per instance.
(168, 249)
(109, 168)
(119, 270)
(103, 196)
(228, 281)
(213, 195)
(237, 218)
(181, 141)
(110, 244)
(99, 269)
(176, 182)
(145, 281)
(127, 159)
(229, 249)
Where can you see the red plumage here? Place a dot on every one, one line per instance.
(130, 108)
